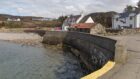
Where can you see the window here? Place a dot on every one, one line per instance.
(131, 25)
(116, 19)
(119, 26)
(131, 17)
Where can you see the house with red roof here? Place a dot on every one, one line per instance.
(82, 23)
(72, 19)
(75, 19)
(83, 27)
(92, 28)
(87, 25)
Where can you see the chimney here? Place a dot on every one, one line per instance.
(81, 17)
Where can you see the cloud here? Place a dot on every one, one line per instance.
(55, 8)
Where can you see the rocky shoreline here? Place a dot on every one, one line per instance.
(29, 39)
(33, 43)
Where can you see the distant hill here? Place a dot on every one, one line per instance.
(105, 18)
(4, 17)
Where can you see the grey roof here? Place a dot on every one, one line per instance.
(71, 19)
(126, 14)
(76, 17)
(85, 18)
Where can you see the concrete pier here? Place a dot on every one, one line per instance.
(131, 68)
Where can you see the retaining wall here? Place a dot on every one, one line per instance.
(122, 31)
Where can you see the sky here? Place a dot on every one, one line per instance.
(56, 8)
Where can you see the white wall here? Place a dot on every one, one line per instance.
(89, 20)
(114, 22)
(138, 21)
(127, 20)
(81, 17)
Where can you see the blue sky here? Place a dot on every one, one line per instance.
(55, 8)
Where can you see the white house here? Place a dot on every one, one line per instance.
(126, 20)
(71, 20)
(42, 19)
(13, 19)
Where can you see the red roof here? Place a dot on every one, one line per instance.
(83, 25)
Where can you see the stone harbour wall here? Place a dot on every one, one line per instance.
(95, 51)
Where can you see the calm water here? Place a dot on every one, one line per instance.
(25, 62)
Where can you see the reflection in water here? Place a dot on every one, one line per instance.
(25, 62)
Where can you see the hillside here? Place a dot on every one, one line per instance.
(105, 18)
(28, 22)
(4, 17)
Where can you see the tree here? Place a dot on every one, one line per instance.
(129, 8)
(138, 4)
(62, 18)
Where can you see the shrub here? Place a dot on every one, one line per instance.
(12, 24)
